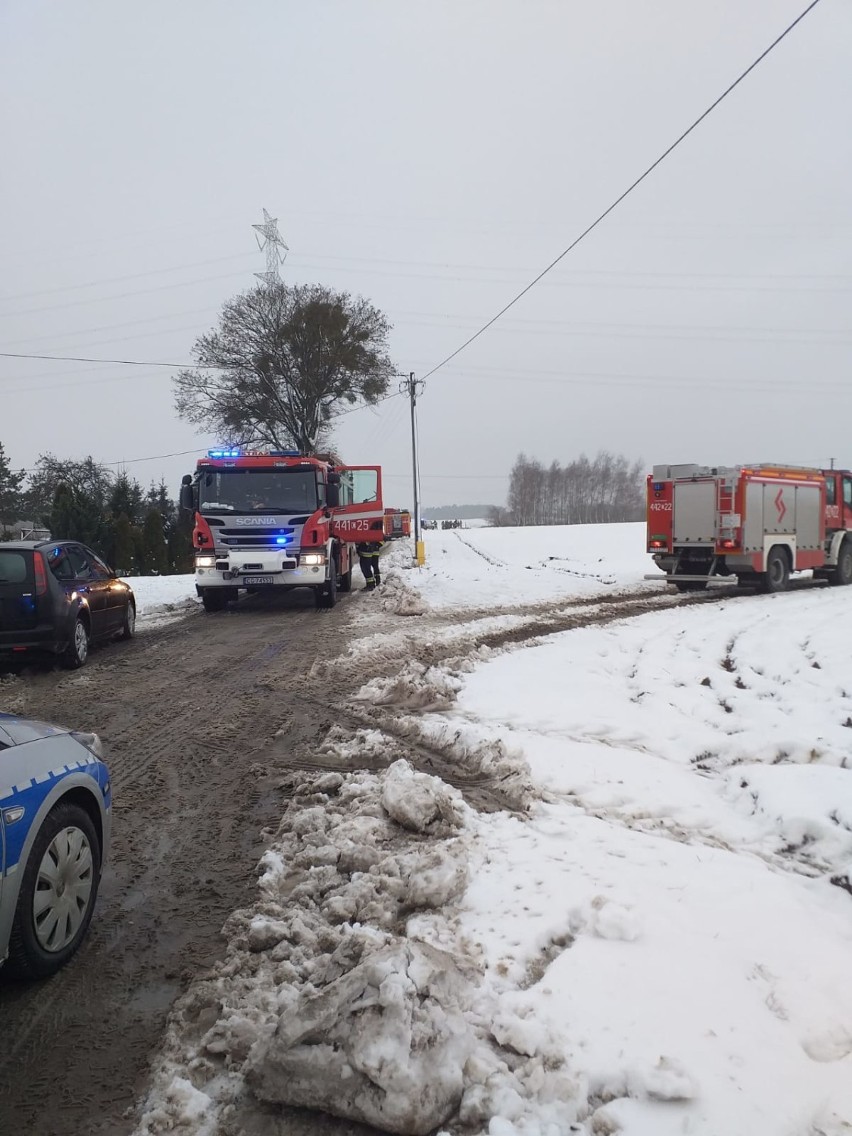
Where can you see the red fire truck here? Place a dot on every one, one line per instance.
(749, 525)
(280, 519)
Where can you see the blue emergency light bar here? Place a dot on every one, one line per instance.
(223, 453)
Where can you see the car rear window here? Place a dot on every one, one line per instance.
(13, 567)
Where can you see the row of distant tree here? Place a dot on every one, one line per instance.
(595, 490)
(138, 531)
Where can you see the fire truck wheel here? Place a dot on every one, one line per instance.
(326, 596)
(345, 583)
(214, 599)
(843, 572)
(690, 585)
(777, 574)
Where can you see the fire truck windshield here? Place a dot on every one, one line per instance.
(279, 491)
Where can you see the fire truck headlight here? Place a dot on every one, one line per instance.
(205, 561)
(313, 558)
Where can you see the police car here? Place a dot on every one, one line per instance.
(55, 813)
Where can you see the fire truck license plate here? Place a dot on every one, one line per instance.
(258, 579)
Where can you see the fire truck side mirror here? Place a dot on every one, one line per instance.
(186, 495)
(332, 489)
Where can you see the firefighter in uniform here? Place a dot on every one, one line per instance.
(368, 560)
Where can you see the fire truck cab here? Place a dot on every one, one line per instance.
(748, 525)
(279, 520)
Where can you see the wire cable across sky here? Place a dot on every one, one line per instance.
(627, 191)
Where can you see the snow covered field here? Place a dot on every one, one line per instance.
(655, 940)
(512, 566)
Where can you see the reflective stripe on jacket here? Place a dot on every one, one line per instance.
(368, 549)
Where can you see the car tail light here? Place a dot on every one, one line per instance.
(40, 574)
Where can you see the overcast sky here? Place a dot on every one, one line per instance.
(434, 157)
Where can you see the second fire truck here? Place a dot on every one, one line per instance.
(280, 519)
(748, 525)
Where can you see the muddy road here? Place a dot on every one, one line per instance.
(205, 723)
(187, 716)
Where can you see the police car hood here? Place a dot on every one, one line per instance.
(22, 730)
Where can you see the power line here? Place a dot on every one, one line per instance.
(363, 406)
(627, 191)
(85, 359)
(35, 340)
(201, 449)
(121, 279)
(136, 461)
(125, 295)
(521, 374)
(587, 278)
(138, 363)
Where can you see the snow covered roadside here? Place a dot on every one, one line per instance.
(162, 599)
(655, 947)
(675, 885)
(510, 566)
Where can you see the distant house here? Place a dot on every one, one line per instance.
(23, 530)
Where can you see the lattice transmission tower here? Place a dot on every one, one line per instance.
(274, 247)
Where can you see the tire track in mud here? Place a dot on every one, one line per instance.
(537, 620)
(482, 791)
(207, 724)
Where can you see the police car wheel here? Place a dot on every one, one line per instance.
(58, 893)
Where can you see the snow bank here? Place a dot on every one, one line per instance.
(162, 599)
(319, 1001)
(415, 687)
(348, 987)
(384, 1044)
(420, 803)
(396, 596)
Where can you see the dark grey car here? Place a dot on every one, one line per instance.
(58, 596)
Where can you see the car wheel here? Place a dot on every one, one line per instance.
(77, 651)
(345, 584)
(128, 628)
(58, 893)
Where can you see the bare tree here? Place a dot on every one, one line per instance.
(281, 361)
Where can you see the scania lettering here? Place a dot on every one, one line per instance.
(278, 519)
(749, 525)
